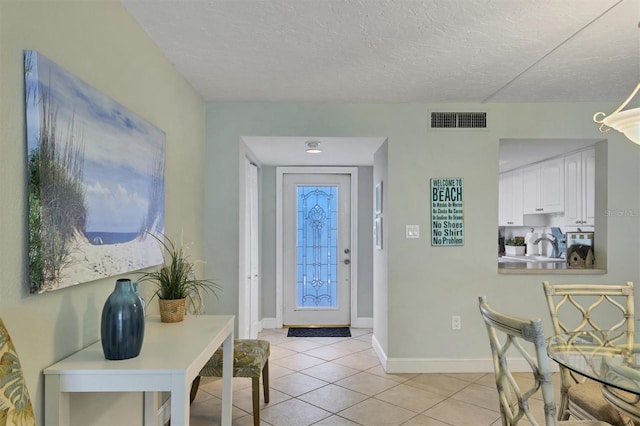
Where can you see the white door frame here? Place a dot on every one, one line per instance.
(280, 172)
(248, 273)
(253, 252)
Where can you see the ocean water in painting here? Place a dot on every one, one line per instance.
(100, 238)
(96, 181)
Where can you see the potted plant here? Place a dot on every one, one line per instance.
(514, 246)
(176, 282)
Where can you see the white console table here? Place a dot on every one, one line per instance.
(171, 357)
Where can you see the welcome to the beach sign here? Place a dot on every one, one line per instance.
(447, 218)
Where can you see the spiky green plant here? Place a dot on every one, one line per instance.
(515, 241)
(176, 278)
(56, 195)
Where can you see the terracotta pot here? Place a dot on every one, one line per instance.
(172, 310)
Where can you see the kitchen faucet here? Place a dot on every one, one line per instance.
(555, 253)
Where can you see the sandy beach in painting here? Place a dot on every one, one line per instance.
(91, 262)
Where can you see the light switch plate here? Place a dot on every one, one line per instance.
(413, 231)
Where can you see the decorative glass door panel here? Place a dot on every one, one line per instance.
(316, 249)
(317, 246)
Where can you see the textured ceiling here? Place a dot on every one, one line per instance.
(399, 51)
(378, 51)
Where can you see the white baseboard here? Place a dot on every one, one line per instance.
(362, 322)
(377, 348)
(444, 365)
(457, 365)
(441, 365)
(269, 323)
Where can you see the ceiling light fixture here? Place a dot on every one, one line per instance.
(627, 122)
(313, 147)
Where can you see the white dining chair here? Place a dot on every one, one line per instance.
(509, 334)
(618, 371)
(585, 307)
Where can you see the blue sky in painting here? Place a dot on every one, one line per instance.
(120, 147)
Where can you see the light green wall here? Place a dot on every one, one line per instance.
(267, 242)
(99, 42)
(365, 242)
(427, 285)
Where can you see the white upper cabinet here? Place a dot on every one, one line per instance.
(580, 189)
(531, 190)
(552, 173)
(543, 187)
(510, 199)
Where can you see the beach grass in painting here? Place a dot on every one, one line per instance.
(95, 181)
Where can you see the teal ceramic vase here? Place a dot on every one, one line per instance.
(122, 325)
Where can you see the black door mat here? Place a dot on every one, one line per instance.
(319, 332)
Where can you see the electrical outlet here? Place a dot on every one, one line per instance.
(456, 323)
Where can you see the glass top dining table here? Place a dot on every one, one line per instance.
(609, 357)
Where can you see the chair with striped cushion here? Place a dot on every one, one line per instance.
(250, 359)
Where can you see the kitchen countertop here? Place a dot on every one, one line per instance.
(543, 267)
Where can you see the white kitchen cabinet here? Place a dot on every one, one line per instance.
(510, 199)
(580, 188)
(543, 187)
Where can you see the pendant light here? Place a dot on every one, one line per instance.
(627, 122)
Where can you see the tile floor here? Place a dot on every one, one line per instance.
(339, 382)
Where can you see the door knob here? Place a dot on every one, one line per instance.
(347, 261)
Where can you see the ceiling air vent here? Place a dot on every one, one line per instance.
(458, 120)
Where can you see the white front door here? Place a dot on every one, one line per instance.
(316, 249)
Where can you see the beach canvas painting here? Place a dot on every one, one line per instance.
(95, 181)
